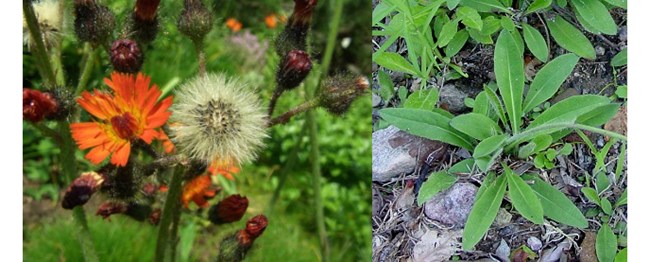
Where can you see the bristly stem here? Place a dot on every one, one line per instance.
(172, 204)
(42, 59)
(331, 39)
(91, 53)
(201, 55)
(306, 106)
(87, 246)
(274, 99)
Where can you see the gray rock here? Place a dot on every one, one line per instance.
(452, 207)
(600, 50)
(534, 243)
(622, 33)
(395, 152)
(376, 100)
(453, 98)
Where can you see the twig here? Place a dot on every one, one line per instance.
(306, 106)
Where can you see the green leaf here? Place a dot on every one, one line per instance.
(427, 124)
(481, 105)
(537, 144)
(568, 110)
(395, 62)
(595, 14)
(456, 43)
(586, 26)
(591, 195)
(509, 71)
(570, 38)
(620, 162)
(622, 200)
(401, 93)
(489, 145)
(566, 149)
(479, 37)
(463, 167)
(469, 17)
(606, 244)
(381, 10)
(535, 42)
(548, 80)
(496, 104)
(451, 4)
(619, 3)
(602, 181)
(476, 125)
(386, 83)
(538, 5)
(606, 206)
(484, 163)
(620, 59)
(440, 21)
(422, 99)
(621, 91)
(483, 213)
(561, 3)
(437, 182)
(507, 23)
(621, 256)
(488, 182)
(526, 150)
(556, 205)
(523, 198)
(490, 25)
(485, 5)
(448, 32)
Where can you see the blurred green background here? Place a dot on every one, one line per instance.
(345, 144)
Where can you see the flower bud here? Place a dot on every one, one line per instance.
(126, 56)
(93, 23)
(107, 209)
(235, 247)
(143, 25)
(37, 105)
(145, 10)
(228, 210)
(337, 93)
(195, 21)
(294, 35)
(154, 217)
(294, 68)
(256, 226)
(81, 189)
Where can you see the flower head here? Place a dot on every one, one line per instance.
(132, 112)
(271, 21)
(37, 105)
(233, 24)
(199, 191)
(225, 168)
(228, 210)
(217, 118)
(49, 21)
(81, 189)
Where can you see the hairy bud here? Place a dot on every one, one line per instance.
(195, 21)
(37, 105)
(294, 68)
(81, 189)
(228, 210)
(143, 25)
(106, 209)
(294, 35)
(338, 92)
(126, 56)
(235, 247)
(93, 23)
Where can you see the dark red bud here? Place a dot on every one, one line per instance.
(126, 56)
(256, 226)
(37, 105)
(145, 10)
(228, 210)
(107, 209)
(302, 12)
(294, 68)
(81, 189)
(154, 218)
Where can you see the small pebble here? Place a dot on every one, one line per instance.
(600, 50)
(376, 100)
(534, 243)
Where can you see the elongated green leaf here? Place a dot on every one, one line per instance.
(602, 181)
(568, 110)
(538, 5)
(386, 83)
(535, 42)
(448, 32)
(621, 256)
(570, 38)
(490, 25)
(480, 37)
(509, 71)
(536, 145)
(556, 205)
(595, 14)
(437, 182)
(508, 24)
(463, 167)
(606, 206)
(427, 124)
(381, 10)
(440, 20)
(622, 200)
(488, 182)
(395, 62)
(620, 59)
(496, 104)
(456, 43)
(619, 3)
(523, 198)
(587, 26)
(476, 125)
(481, 104)
(485, 163)
(591, 194)
(483, 213)
(470, 17)
(548, 80)
(451, 4)
(606, 244)
(489, 145)
(485, 5)
(422, 99)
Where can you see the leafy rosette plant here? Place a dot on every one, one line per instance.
(501, 124)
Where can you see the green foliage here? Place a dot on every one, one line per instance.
(555, 204)
(606, 244)
(488, 201)
(437, 182)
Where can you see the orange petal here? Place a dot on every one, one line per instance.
(121, 156)
(97, 155)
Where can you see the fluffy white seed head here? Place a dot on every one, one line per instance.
(214, 117)
(49, 20)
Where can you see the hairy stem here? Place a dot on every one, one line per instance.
(91, 54)
(331, 39)
(172, 204)
(529, 133)
(274, 99)
(83, 234)
(201, 56)
(306, 106)
(314, 156)
(42, 59)
(173, 239)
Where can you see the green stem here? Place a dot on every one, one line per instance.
(314, 157)
(42, 59)
(515, 139)
(172, 204)
(306, 106)
(173, 239)
(331, 39)
(83, 233)
(58, 66)
(201, 56)
(87, 68)
(45, 130)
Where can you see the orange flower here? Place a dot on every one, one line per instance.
(132, 112)
(198, 191)
(224, 168)
(233, 24)
(271, 21)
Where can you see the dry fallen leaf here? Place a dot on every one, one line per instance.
(406, 198)
(588, 248)
(436, 246)
(618, 123)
